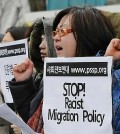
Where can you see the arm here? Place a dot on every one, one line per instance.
(22, 88)
(113, 49)
(22, 93)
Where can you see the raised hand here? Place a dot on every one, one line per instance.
(23, 70)
(113, 49)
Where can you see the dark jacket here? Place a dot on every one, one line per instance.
(115, 94)
(28, 94)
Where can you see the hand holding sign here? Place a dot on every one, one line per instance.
(23, 70)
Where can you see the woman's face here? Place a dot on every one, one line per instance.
(43, 47)
(65, 44)
(7, 37)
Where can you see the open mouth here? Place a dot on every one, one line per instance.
(58, 48)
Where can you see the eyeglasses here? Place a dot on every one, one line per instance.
(61, 32)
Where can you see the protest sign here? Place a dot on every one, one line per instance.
(11, 53)
(77, 95)
(7, 114)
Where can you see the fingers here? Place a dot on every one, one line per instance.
(42, 132)
(20, 67)
(16, 129)
(23, 66)
(116, 43)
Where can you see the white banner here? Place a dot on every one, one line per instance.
(77, 95)
(11, 53)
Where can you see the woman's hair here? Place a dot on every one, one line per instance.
(17, 33)
(37, 30)
(91, 29)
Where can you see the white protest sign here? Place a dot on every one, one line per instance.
(77, 95)
(7, 114)
(10, 53)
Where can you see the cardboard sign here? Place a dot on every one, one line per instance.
(11, 53)
(77, 95)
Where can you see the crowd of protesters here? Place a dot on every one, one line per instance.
(74, 32)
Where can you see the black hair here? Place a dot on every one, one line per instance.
(17, 32)
(92, 30)
(35, 39)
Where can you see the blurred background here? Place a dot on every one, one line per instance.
(25, 12)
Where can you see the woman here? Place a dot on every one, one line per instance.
(83, 32)
(12, 34)
(76, 32)
(90, 30)
(40, 46)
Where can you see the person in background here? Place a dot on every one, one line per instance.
(4, 125)
(12, 13)
(14, 33)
